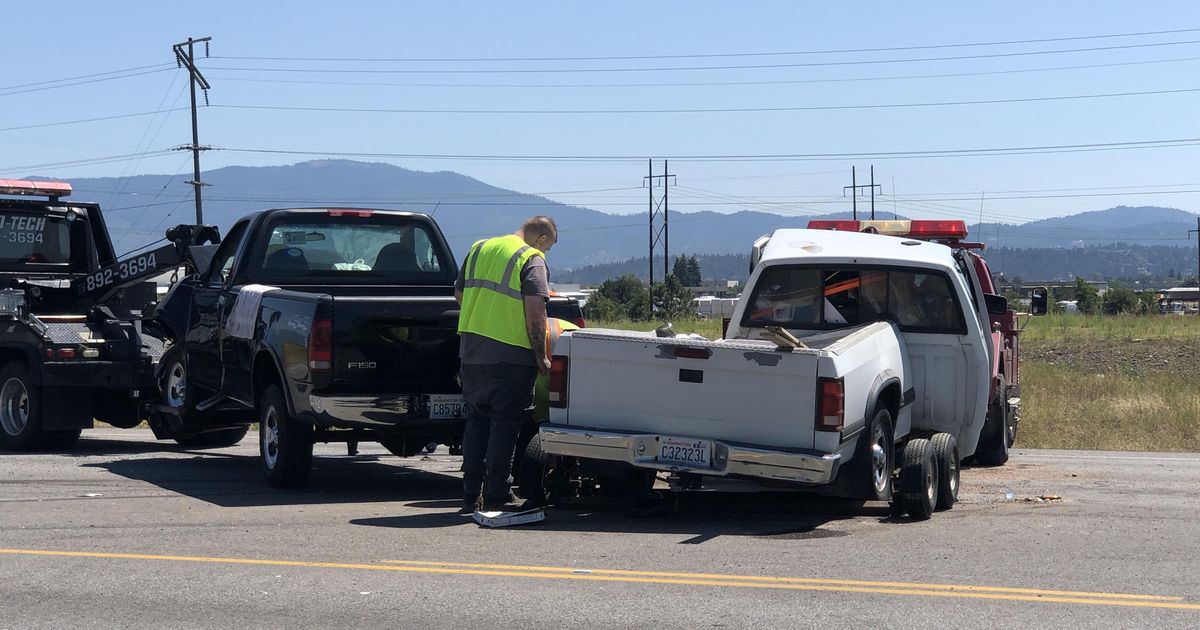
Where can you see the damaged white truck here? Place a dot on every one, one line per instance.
(859, 364)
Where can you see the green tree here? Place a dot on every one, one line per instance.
(672, 300)
(1086, 297)
(687, 269)
(1119, 300)
(619, 298)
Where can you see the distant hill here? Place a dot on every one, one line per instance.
(468, 209)
(1144, 225)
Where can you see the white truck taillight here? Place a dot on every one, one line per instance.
(831, 404)
(320, 344)
(559, 370)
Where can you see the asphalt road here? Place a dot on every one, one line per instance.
(128, 532)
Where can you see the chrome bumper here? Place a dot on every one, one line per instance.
(404, 411)
(640, 450)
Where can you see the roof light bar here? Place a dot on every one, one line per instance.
(931, 230)
(26, 187)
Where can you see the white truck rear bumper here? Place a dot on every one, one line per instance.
(641, 450)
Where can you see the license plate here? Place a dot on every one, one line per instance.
(446, 406)
(684, 452)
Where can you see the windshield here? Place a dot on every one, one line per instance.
(830, 297)
(29, 239)
(380, 249)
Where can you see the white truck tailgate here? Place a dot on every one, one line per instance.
(738, 391)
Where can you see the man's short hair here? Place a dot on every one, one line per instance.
(541, 226)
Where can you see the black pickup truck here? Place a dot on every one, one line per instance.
(322, 325)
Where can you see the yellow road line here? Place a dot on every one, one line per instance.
(796, 580)
(728, 581)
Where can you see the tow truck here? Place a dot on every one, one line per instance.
(72, 346)
(864, 360)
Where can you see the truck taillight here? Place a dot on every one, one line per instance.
(320, 344)
(831, 404)
(580, 322)
(350, 212)
(725, 326)
(558, 382)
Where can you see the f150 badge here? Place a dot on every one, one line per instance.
(361, 365)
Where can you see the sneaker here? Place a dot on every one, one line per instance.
(469, 505)
(506, 504)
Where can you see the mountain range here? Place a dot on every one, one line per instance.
(139, 208)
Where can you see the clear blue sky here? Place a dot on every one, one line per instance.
(61, 40)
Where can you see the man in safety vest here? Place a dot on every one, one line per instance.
(502, 290)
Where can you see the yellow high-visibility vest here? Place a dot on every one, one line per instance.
(492, 305)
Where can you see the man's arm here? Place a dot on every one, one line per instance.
(535, 327)
(458, 296)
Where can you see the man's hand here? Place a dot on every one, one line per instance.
(535, 327)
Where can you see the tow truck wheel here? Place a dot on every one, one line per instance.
(945, 451)
(919, 479)
(285, 445)
(172, 379)
(21, 414)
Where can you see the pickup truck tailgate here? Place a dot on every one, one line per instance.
(736, 391)
(395, 344)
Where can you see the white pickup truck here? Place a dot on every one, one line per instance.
(852, 362)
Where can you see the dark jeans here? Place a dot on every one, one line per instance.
(498, 397)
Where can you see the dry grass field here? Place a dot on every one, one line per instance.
(1106, 383)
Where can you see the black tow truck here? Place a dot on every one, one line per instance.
(72, 348)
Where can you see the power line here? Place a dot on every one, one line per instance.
(712, 83)
(90, 161)
(90, 120)
(1012, 150)
(86, 76)
(75, 83)
(707, 110)
(815, 64)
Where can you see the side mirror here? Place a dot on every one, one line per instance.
(201, 257)
(756, 250)
(1039, 304)
(996, 304)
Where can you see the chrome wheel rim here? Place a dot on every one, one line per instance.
(953, 472)
(269, 437)
(175, 388)
(879, 459)
(14, 406)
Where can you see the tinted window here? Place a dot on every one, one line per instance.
(811, 297)
(381, 249)
(33, 239)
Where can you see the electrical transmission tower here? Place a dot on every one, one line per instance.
(853, 188)
(659, 221)
(185, 56)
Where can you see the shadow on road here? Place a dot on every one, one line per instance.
(700, 516)
(229, 480)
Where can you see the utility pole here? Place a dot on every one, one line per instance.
(853, 188)
(185, 56)
(1197, 231)
(658, 230)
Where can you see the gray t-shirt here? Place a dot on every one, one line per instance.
(480, 350)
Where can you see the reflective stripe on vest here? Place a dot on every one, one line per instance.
(492, 303)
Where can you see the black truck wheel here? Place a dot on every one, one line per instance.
(173, 386)
(21, 414)
(285, 445)
(918, 479)
(531, 474)
(998, 433)
(213, 439)
(945, 452)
